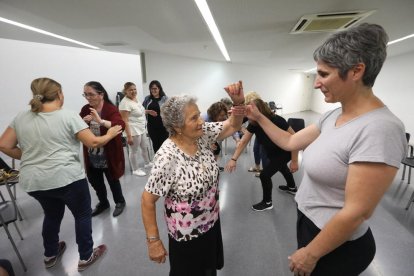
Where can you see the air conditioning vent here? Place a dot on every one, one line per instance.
(329, 22)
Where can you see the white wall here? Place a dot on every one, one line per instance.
(206, 79)
(21, 62)
(394, 86)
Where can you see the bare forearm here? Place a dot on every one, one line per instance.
(336, 232)
(15, 153)
(149, 218)
(239, 148)
(276, 134)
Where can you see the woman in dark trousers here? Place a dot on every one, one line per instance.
(349, 161)
(152, 104)
(47, 141)
(100, 114)
(277, 158)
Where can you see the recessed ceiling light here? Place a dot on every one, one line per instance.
(208, 17)
(27, 27)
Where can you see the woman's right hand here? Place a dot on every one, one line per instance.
(252, 112)
(114, 131)
(130, 141)
(157, 252)
(231, 166)
(151, 112)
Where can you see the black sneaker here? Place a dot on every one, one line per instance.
(119, 208)
(288, 190)
(262, 206)
(99, 209)
(51, 262)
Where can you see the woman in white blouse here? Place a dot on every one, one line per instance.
(133, 114)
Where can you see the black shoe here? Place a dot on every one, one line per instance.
(288, 190)
(119, 208)
(262, 206)
(99, 209)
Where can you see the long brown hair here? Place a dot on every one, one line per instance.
(263, 108)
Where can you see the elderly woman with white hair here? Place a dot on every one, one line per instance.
(186, 174)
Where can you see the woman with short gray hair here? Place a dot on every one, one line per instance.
(186, 174)
(349, 162)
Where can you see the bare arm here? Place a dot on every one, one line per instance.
(285, 140)
(231, 165)
(294, 164)
(91, 141)
(125, 117)
(156, 250)
(366, 184)
(8, 144)
(233, 123)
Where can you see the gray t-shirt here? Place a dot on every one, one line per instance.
(376, 136)
(50, 150)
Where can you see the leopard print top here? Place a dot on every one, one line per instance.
(189, 185)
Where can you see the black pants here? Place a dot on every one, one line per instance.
(4, 166)
(349, 259)
(201, 256)
(270, 168)
(158, 135)
(96, 178)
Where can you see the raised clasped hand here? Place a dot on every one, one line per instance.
(235, 92)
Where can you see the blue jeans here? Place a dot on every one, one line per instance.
(78, 199)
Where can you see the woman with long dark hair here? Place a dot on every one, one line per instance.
(100, 114)
(152, 104)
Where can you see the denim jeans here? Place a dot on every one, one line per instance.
(78, 199)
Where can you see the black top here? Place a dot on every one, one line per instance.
(272, 150)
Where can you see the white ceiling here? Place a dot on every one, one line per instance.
(256, 32)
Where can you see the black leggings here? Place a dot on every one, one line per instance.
(271, 167)
(349, 259)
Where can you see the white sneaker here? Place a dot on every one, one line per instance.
(139, 172)
(149, 165)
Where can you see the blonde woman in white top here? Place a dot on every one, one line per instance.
(133, 114)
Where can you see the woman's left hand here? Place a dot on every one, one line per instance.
(302, 263)
(235, 91)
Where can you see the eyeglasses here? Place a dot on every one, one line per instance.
(89, 95)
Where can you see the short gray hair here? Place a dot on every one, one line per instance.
(172, 112)
(366, 43)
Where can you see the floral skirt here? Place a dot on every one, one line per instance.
(200, 256)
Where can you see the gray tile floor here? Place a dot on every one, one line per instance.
(254, 243)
